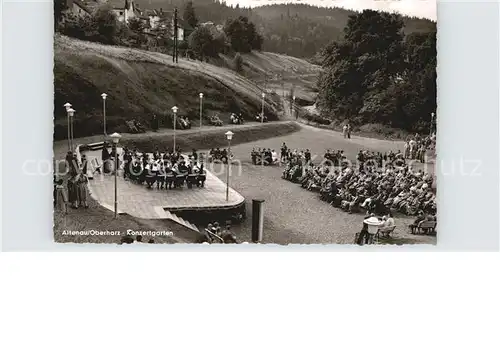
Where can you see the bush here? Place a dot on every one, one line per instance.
(380, 129)
(238, 63)
(316, 119)
(102, 27)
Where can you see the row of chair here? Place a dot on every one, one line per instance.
(170, 181)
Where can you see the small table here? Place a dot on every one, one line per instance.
(373, 224)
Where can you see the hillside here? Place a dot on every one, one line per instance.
(140, 84)
(279, 72)
(298, 30)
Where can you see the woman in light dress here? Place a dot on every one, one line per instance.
(274, 156)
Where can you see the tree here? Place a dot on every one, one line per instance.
(242, 35)
(374, 76)
(201, 43)
(59, 8)
(255, 38)
(365, 61)
(190, 15)
(136, 25)
(78, 27)
(135, 32)
(238, 63)
(106, 25)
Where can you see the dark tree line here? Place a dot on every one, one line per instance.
(376, 74)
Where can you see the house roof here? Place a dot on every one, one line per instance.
(148, 12)
(118, 4)
(83, 6)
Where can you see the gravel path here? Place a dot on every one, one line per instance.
(293, 214)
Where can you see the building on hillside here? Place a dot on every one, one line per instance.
(156, 22)
(161, 22)
(124, 10)
(183, 29)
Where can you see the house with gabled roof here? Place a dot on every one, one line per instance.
(157, 22)
(125, 10)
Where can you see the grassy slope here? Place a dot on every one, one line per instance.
(140, 83)
(296, 72)
(213, 138)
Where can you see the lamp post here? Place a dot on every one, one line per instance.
(201, 109)
(104, 96)
(174, 110)
(71, 113)
(263, 100)
(68, 106)
(229, 136)
(293, 107)
(116, 138)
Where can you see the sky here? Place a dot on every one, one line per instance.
(419, 8)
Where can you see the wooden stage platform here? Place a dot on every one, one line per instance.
(139, 201)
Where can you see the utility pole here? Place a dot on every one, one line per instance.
(175, 56)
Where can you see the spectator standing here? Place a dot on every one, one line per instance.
(82, 190)
(61, 200)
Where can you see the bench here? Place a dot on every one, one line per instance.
(426, 227)
(95, 146)
(386, 231)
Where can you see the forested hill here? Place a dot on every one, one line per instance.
(294, 29)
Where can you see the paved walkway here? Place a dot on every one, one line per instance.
(139, 201)
(62, 144)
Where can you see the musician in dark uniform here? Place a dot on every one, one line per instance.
(268, 157)
(195, 155)
(169, 176)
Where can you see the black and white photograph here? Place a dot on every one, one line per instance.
(245, 122)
